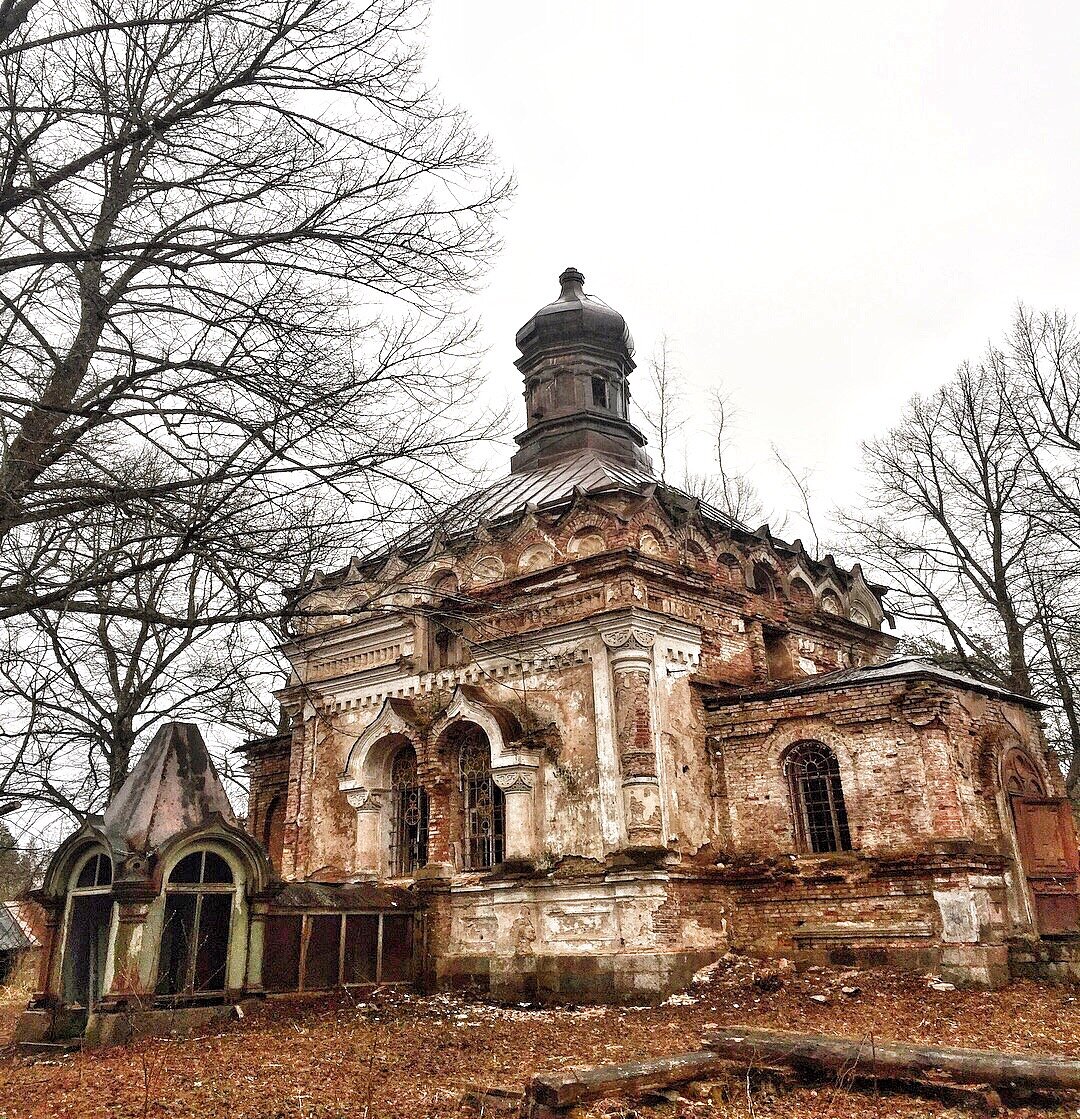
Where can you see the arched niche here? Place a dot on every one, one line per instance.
(586, 542)
(536, 557)
(800, 593)
(766, 582)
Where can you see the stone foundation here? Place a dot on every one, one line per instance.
(630, 979)
(1051, 960)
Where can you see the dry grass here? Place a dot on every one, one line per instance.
(394, 1056)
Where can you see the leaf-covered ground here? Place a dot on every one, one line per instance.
(389, 1054)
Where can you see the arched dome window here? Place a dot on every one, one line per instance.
(817, 798)
(195, 932)
(96, 871)
(483, 804)
(86, 943)
(409, 820)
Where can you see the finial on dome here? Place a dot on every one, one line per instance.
(572, 284)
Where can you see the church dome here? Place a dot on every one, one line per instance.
(573, 320)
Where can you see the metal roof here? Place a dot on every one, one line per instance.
(342, 896)
(15, 933)
(587, 471)
(896, 668)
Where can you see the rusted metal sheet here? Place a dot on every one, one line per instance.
(1048, 848)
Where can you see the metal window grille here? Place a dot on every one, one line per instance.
(817, 797)
(483, 804)
(409, 827)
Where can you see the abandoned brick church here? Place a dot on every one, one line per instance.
(583, 740)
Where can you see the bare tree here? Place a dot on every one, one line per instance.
(969, 517)
(232, 236)
(664, 406)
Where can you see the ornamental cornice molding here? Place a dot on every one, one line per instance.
(514, 779)
(361, 798)
(632, 637)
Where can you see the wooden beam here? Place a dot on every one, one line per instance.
(889, 1059)
(560, 1090)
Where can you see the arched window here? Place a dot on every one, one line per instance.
(483, 804)
(764, 583)
(274, 830)
(409, 823)
(86, 945)
(817, 798)
(195, 933)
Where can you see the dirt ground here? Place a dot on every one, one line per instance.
(388, 1054)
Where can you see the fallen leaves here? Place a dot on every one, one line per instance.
(394, 1054)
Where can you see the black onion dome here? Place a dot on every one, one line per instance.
(575, 319)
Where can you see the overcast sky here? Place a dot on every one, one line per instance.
(826, 206)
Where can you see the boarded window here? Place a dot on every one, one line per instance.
(817, 798)
(361, 947)
(323, 950)
(397, 948)
(281, 957)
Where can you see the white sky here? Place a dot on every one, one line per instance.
(826, 206)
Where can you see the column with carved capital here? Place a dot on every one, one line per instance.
(630, 655)
(516, 783)
(368, 806)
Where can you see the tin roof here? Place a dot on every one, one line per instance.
(342, 896)
(896, 668)
(15, 932)
(587, 472)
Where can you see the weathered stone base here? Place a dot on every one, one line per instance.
(1052, 960)
(631, 979)
(118, 1027)
(607, 937)
(939, 911)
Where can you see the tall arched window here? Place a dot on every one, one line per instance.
(409, 823)
(195, 934)
(817, 798)
(483, 804)
(86, 945)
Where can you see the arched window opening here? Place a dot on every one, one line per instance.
(409, 823)
(274, 830)
(195, 933)
(1019, 777)
(483, 804)
(764, 583)
(96, 871)
(86, 945)
(817, 798)
(599, 392)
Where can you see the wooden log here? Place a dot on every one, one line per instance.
(560, 1090)
(893, 1060)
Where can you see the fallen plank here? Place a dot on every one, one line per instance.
(889, 1059)
(560, 1090)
